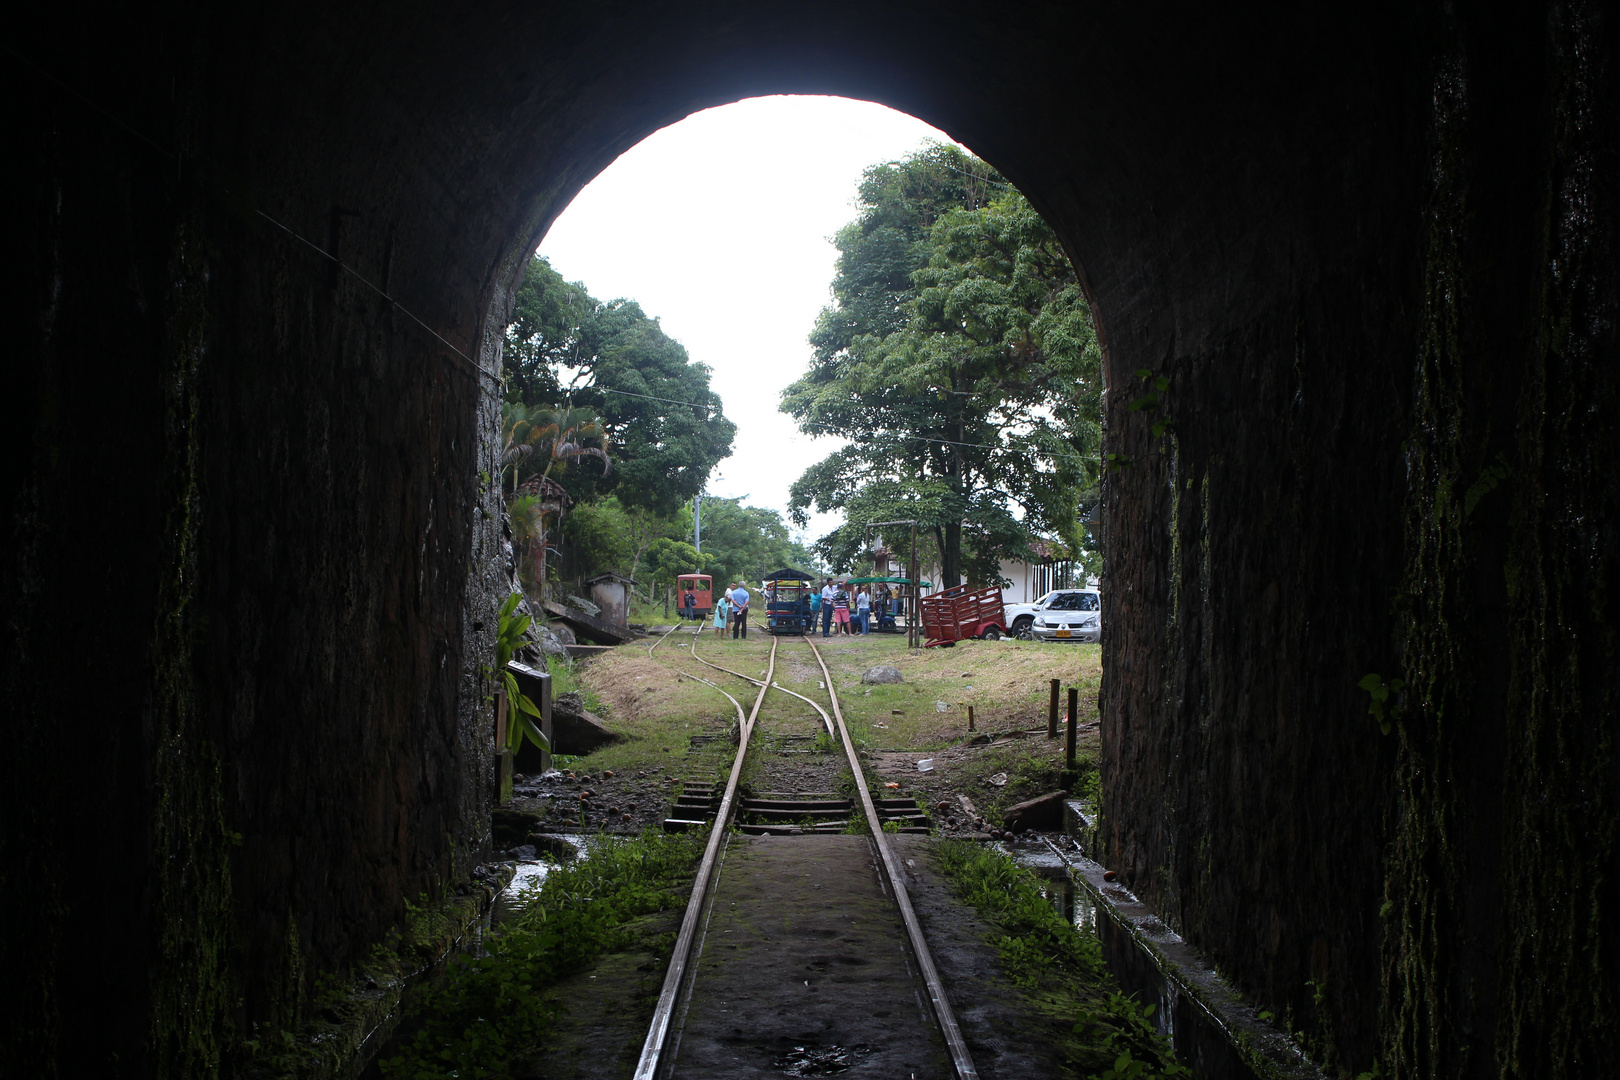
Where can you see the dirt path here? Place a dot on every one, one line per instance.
(805, 953)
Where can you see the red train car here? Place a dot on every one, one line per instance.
(702, 586)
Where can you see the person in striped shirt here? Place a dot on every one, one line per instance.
(840, 611)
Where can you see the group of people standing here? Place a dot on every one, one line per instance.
(840, 612)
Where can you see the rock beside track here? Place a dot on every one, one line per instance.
(1044, 813)
(576, 730)
(883, 673)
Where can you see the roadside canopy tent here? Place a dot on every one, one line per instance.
(886, 581)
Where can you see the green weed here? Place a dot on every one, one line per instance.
(1379, 693)
(1111, 1036)
(565, 680)
(489, 1012)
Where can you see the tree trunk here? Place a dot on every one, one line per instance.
(540, 564)
(950, 555)
(643, 539)
(635, 563)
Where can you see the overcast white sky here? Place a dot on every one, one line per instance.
(720, 226)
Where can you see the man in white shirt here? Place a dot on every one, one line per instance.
(739, 604)
(826, 608)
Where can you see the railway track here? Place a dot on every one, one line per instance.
(785, 812)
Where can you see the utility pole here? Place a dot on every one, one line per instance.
(914, 570)
(697, 523)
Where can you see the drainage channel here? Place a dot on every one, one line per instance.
(799, 952)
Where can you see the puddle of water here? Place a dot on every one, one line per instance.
(1067, 899)
(1074, 904)
(531, 871)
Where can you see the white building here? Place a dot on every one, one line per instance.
(1031, 579)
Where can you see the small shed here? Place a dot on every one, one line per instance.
(611, 593)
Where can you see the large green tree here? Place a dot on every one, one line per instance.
(564, 348)
(741, 543)
(959, 357)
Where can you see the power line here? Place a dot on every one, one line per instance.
(471, 364)
(650, 397)
(976, 445)
(976, 176)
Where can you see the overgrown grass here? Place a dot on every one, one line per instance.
(658, 710)
(1058, 967)
(1005, 681)
(652, 613)
(565, 680)
(490, 1012)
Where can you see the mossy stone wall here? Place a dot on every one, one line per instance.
(1408, 472)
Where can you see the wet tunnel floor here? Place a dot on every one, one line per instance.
(789, 911)
(804, 952)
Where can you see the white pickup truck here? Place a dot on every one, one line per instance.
(1060, 615)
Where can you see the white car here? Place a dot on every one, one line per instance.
(1060, 615)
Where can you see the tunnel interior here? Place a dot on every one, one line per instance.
(253, 548)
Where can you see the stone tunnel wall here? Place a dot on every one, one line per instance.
(1410, 471)
(251, 534)
(253, 560)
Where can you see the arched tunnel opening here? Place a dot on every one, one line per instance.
(263, 263)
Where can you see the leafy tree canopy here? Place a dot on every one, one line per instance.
(739, 542)
(959, 356)
(655, 411)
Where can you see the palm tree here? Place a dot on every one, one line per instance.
(561, 438)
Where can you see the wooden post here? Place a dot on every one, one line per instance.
(1051, 713)
(970, 718)
(503, 754)
(914, 566)
(1074, 711)
(545, 722)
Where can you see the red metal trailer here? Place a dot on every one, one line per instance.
(963, 612)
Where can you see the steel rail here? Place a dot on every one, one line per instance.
(660, 641)
(825, 719)
(960, 1057)
(652, 1051)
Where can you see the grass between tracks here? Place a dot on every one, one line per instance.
(1058, 967)
(488, 1013)
(658, 707)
